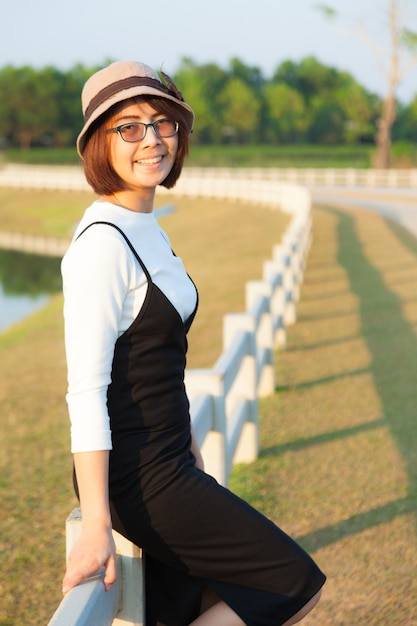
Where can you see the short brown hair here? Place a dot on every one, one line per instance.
(98, 169)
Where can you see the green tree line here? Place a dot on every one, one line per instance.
(303, 102)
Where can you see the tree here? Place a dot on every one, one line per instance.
(400, 37)
(28, 109)
(240, 108)
(201, 86)
(252, 76)
(69, 110)
(325, 91)
(358, 109)
(309, 77)
(286, 112)
(405, 128)
(395, 62)
(327, 123)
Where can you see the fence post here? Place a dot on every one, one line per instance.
(281, 254)
(132, 582)
(213, 449)
(246, 384)
(256, 290)
(273, 273)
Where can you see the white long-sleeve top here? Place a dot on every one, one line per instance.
(104, 289)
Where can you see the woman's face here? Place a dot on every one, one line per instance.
(145, 163)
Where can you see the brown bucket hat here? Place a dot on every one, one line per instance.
(122, 80)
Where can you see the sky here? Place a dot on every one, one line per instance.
(261, 33)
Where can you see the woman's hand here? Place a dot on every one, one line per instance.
(93, 550)
(95, 547)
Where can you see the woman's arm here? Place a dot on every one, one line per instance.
(96, 277)
(95, 546)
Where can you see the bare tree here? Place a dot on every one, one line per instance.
(394, 62)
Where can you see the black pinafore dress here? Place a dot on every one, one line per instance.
(194, 532)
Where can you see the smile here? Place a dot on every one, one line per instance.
(150, 161)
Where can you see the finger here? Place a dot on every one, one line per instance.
(110, 574)
(74, 578)
(67, 584)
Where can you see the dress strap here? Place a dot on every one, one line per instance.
(127, 240)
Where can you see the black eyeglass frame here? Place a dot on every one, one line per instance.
(153, 125)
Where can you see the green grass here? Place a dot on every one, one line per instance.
(262, 155)
(281, 156)
(404, 154)
(338, 463)
(51, 213)
(223, 246)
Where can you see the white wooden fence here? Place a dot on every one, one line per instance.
(223, 399)
(46, 246)
(71, 177)
(327, 177)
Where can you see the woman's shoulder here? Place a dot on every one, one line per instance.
(99, 214)
(106, 230)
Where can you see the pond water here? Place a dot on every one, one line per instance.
(26, 283)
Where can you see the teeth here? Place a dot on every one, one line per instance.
(150, 161)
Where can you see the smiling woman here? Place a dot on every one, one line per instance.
(144, 158)
(129, 304)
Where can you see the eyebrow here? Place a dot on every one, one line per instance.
(119, 119)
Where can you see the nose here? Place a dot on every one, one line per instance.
(150, 137)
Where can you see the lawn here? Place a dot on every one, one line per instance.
(338, 464)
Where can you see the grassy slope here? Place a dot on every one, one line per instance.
(51, 213)
(338, 465)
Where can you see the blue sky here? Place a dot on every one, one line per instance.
(262, 33)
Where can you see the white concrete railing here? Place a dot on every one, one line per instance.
(32, 244)
(72, 177)
(328, 177)
(223, 400)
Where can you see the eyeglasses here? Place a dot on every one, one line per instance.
(136, 131)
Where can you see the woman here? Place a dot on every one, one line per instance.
(211, 559)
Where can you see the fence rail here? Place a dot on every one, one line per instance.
(195, 180)
(46, 246)
(223, 399)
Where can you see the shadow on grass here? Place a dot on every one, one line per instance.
(393, 348)
(356, 524)
(307, 442)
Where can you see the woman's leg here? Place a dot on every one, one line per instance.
(218, 613)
